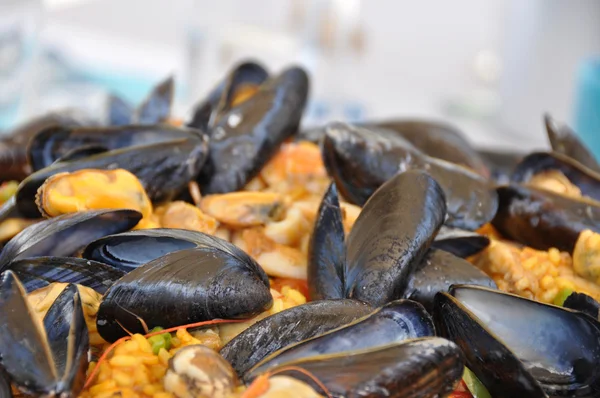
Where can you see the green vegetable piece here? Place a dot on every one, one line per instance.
(474, 385)
(562, 296)
(158, 344)
(156, 329)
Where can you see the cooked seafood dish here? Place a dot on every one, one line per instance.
(236, 255)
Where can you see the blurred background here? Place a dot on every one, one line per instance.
(490, 67)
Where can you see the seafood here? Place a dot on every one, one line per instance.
(500, 163)
(397, 321)
(425, 367)
(244, 139)
(51, 361)
(359, 160)
(213, 280)
(199, 371)
(156, 108)
(376, 265)
(288, 327)
(459, 242)
(67, 234)
(35, 273)
(564, 141)
(240, 84)
(527, 347)
(567, 175)
(543, 219)
(438, 140)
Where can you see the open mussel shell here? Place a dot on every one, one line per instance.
(494, 364)
(459, 242)
(164, 169)
(327, 251)
(560, 348)
(36, 273)
(119, 112)
(288, 327)
(44, 362)
(129, 250)
(587, 180)
(542, 219)
(438, 140)
(221, 99)
(57, 143)
(213, 280)
(14, 164)
(156, 108)
(244, 139)
(361, 159)
(437, 272)
(565, 141)
(67, 234)
(391, 235)
(397, 321)
(418, 368)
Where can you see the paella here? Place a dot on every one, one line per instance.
(235, 254)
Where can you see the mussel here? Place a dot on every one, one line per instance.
(543, 219)
(565, 141)
(248, 135)
(240, 84)
(213, 280)
(438, 140)
(156, 107)
(387, 242)
(397, 321)
(288, 327)
(164, 168)
(360, 159)
(520, 347)
(416, 368)
(38, 272)
(52, 361)
(501, 163)
(459, 242)
(66, 235)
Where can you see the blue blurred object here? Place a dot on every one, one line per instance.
(587, 105)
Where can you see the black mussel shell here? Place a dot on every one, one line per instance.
(156, 108)
(543, 219)
(327, 251)
(559, 347)
(288, 327)
(213, 280)
(459, 242)
(438, 140)
(14, 164)
(418, 368)
(164, 169)
(397, 321)
(391, 235)
(35, 273)
(56, 142)
(218, 102)
(437, 272)
(500, 163)
(129, 250)
(120, 113)
(249, 135)
(564, 140)
(360, 159)
(494, 364)
(5, 388)
(67, 234)
(51, 362)
(583, 303)
(587, 180)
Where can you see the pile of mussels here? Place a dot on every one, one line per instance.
(394, 310)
